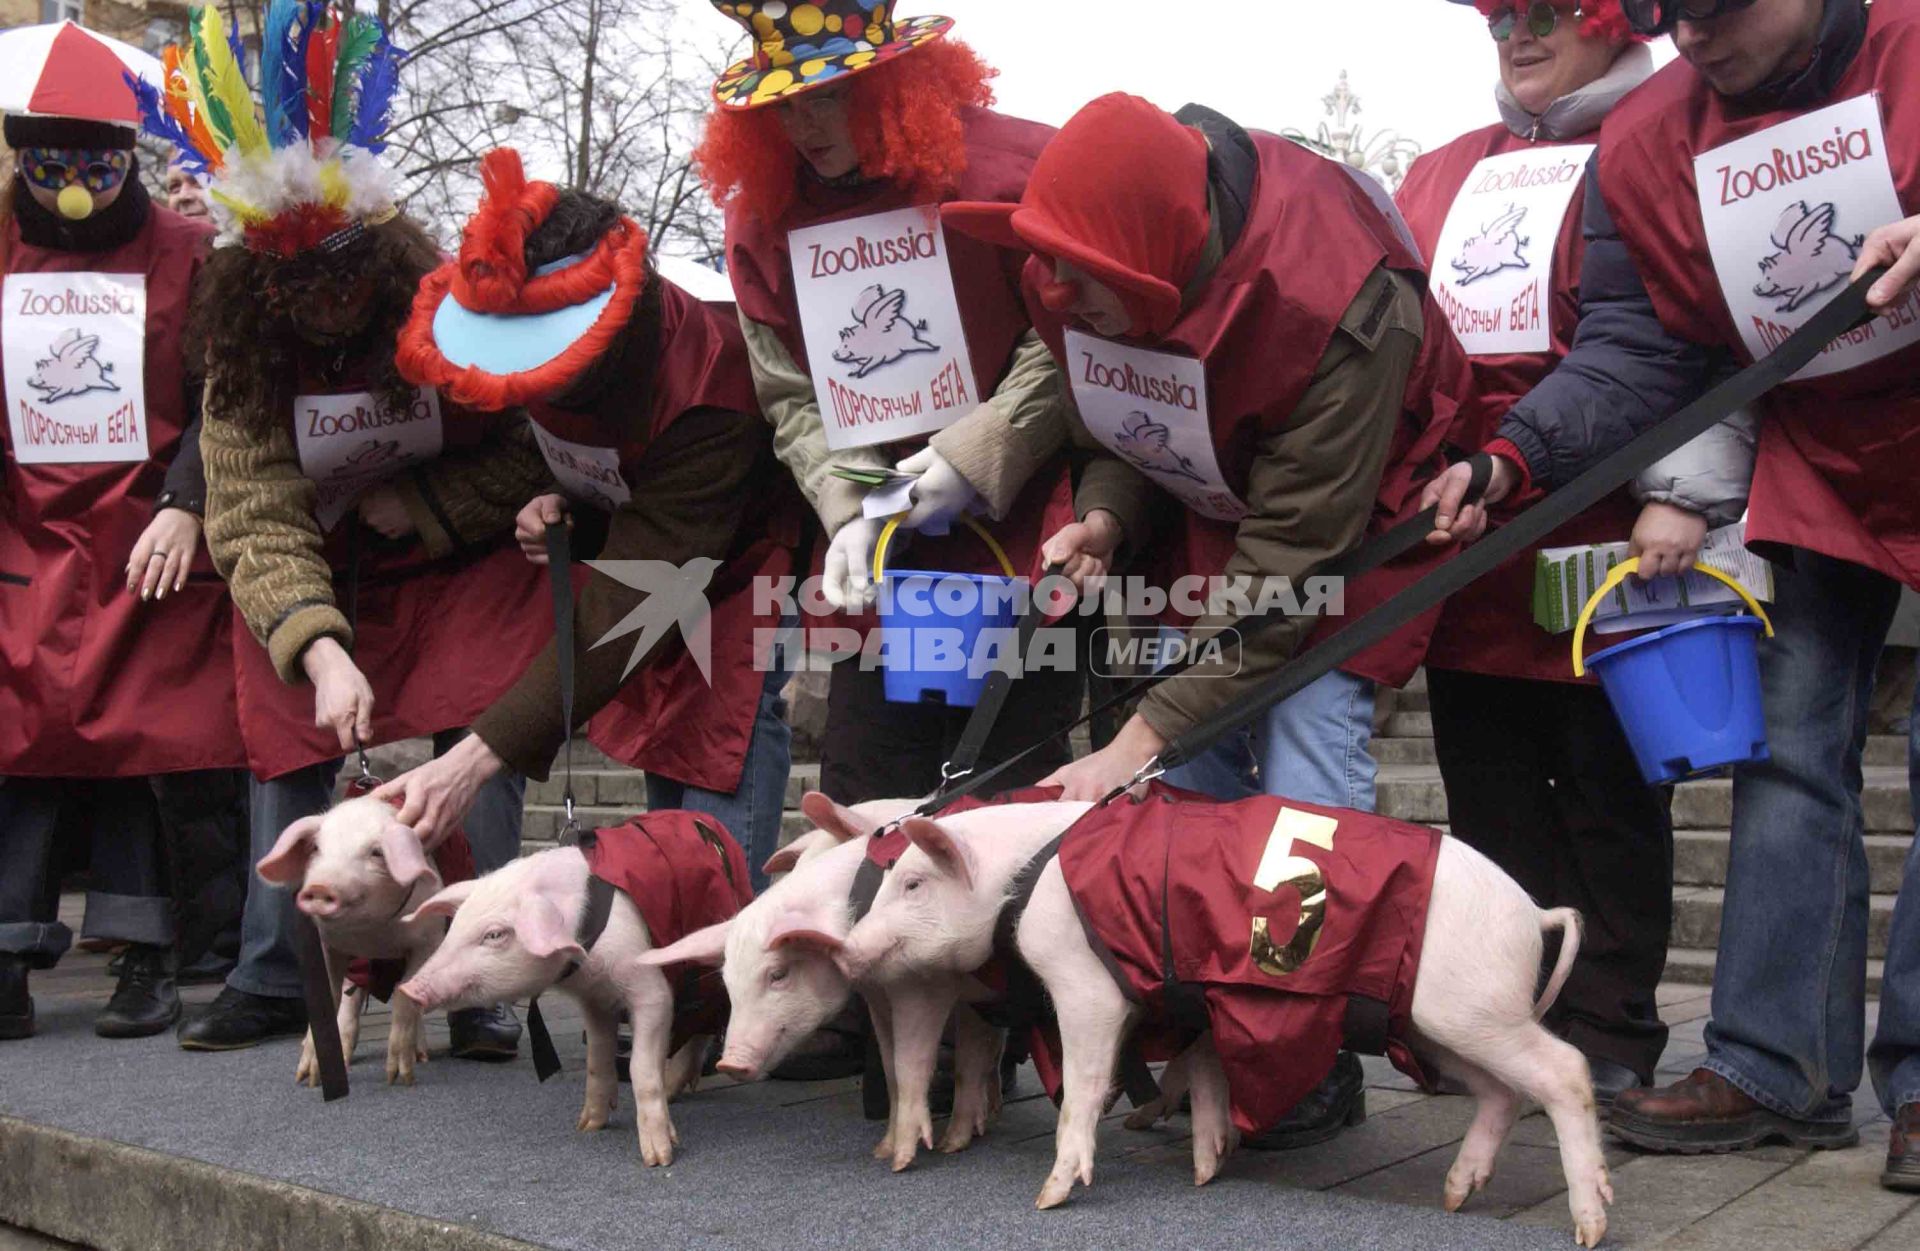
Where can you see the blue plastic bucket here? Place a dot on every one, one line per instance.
(931, 625)
(1688, 696)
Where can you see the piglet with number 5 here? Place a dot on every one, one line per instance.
(1276, 931)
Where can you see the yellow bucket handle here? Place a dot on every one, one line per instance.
(893, 523)
(1619, 574)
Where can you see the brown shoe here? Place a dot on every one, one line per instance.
(1704, 1112)
(1903, 1150)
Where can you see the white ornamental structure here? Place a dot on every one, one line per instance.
(1385, 154)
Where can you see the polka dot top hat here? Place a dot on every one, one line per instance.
(797, 46)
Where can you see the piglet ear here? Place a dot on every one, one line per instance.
(406, 861)
(797, 930)
(443, 904)
(543, 930)
(947, 853)
(836, 819)
(705, 946)
(786, 860)
(287, 862)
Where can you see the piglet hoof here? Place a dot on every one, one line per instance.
(883, 1150)
(961, 1131)
(1210, 1157)
(657, 1142)
(1588, 1233)
(1463, 1184)
(308, 1073)
(399, 1069)
(591, 1119)
(1148, 1115)
(1056, 1192)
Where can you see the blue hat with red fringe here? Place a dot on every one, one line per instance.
(800, 46)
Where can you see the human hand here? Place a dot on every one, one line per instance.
(847, 579)
(381, 508)
(163, 553)
(940, 494)
(530, 526)
(1455, 520)
(342, 699)
(1084, 549)
(1666, 539)
(1896, 246)
(1093, 778)
(434, 799)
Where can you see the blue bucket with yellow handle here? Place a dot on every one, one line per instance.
(931, 624)
(1688, 695)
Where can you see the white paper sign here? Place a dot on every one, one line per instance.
(349, 442)
(75, 360)
(1150, 409)
(588, 474)
(882, 325)
(1786, 211)
(1493, 272)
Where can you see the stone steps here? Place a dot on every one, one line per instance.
(1700, 859)
(1695, 967)
(1696, 919)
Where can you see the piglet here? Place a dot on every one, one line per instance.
(360, 874)
(778, 962)
(1472, 1011)
(515, 934)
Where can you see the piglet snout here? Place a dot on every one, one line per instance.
(317, 899)
(417, 992)
(738, 1070)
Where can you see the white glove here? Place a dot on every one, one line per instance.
(939, 495)
(847, 580)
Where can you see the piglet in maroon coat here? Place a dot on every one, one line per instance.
(518, 931)
(1275, 916)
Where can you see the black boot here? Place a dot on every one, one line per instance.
(16, 1005)
(1339, 1101)
(236, 1019)
(483, 1033)
(145, 1002)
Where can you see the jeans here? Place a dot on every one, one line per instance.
(752, 812)
(1789, 988)
(1312, 747)
(126, 896)
(267, 964)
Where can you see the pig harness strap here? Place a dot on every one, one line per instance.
(593, 923)
(1842, 313)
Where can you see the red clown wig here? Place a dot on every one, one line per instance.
(1599, 19)
(905, 118)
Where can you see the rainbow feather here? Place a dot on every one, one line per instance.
(357, 44)
(283, 67)
(196, 66)
(161, 124)
(180, 103)
(321, 50)
(374, 109)
(226, 85)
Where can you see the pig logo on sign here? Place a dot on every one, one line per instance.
(881, 332)
(72, 369)
(369, 455)
(1495, 248)
(1146, 443)
(1804, 265)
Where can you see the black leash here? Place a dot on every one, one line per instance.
(546, 1060)
(560, 577)
(993, 696)
(309, 949)
(1839, 315)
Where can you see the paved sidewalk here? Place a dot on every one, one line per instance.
(488, 1151)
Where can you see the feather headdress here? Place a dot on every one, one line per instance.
(301, 169)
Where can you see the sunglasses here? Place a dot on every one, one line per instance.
(55, 169)
(1658, 17)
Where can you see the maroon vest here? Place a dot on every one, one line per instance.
(93, 682)
(684, 872)
(1268, 914)
(1834, 473)
(1488, 626)
(1261, 323)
